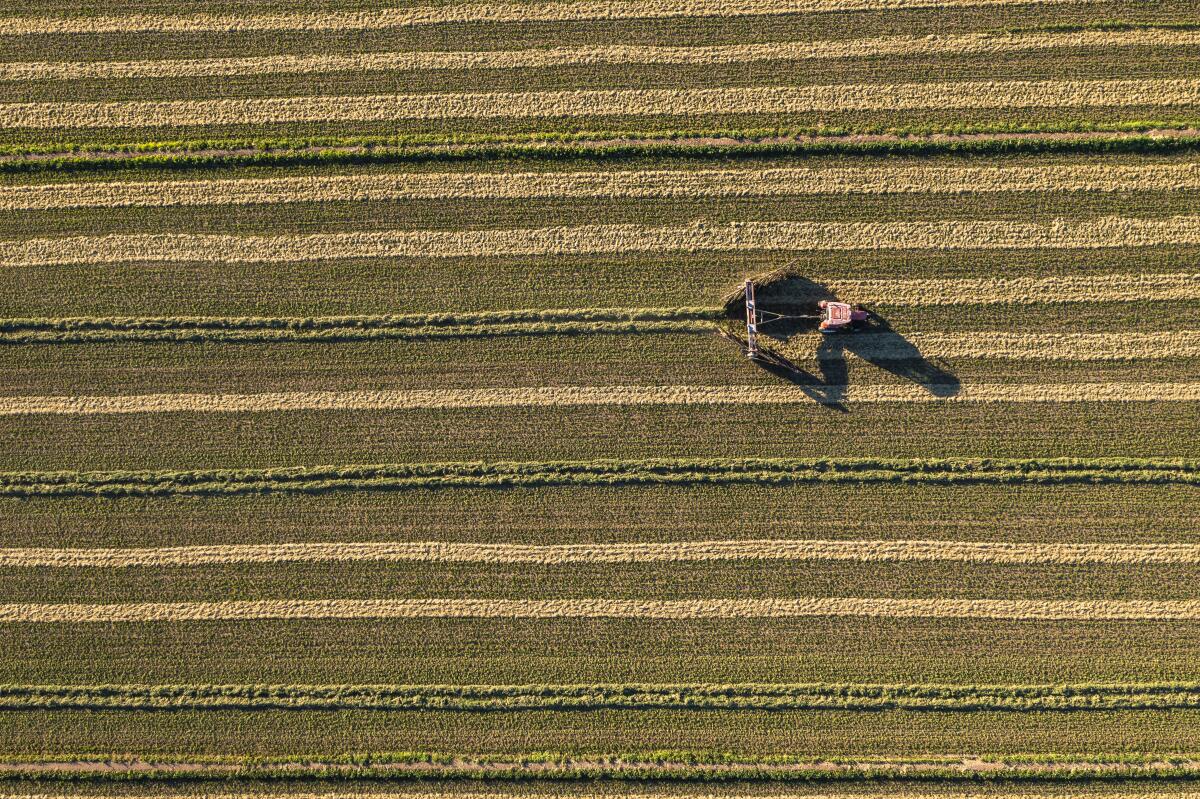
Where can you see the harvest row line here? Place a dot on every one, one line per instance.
(1079, 347)
(598, 473)
(776, 182)
(742, 696)
(1101, 232)
(475, 12)
(553, 554)
(1163, 93)
(951, 45)
(874, 607)
(576, 396)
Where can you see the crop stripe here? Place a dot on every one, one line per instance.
(951, 45)
(869, 551)
(1156, 93)
(306, 609)
(604, 185)
(1097, 233)
(384, 18)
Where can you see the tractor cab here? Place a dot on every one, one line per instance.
(838, 316)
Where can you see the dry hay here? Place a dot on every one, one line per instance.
(949, 45)
(1100, 232)
(615, 185)
(1019, 609)
(475, 12)
(579, 396)
(555, 554)
(607, 102)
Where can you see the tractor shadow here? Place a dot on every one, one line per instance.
(875, 343)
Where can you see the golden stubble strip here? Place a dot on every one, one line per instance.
(384, 18)
(1028, 609)
(573, 396)
(615, 185)
(603, 795)
(555, 554)
(1022, 291)
(950, 45)
(607, 102)
(1094, 233)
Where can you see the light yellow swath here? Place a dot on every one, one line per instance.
(764, 100)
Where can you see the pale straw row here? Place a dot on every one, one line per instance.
(1100, 232)
(605, 185)
(1000, 552)
(1157, 93)
(575, 396)
(1023, 346)
(613, 795)
(399, 17)
(1021, 290)
(298, 609)
(536, 58)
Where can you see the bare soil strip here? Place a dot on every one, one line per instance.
(614, 185)
(575, 396)
(1164, 93)
(1028, 609)
(952, 45)
(475, 12)
(683, 551)
(1095, 233)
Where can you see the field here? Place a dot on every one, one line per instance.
(375, 420)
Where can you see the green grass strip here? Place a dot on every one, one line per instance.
(673, 766)
(510, 698)
(356, 328)
(322, 479)
(1177, 135)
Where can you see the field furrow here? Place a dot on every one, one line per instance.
(969, 95)
(948, 45)
(659, 184)
(1049, 610)
(1099, 233)
(900, 551)
(475, 12)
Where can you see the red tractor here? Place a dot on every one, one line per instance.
(837, 317)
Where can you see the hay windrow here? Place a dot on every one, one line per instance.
(870, 551)
(1015, 609)
(1094, 233)
(607, 102)
(632, 696)
(605, 185)
(724, 471)
(475, 12)
(950, 45)
(582, 396)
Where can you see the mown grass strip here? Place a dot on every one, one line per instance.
(391, 477)
(774, 182)
(1020, 346)
(635, 696)
(607, 102)
(933, 292)
(872, 551)
(1148, 136)
(473, 12)
(1097, 233)
(581, 321)
(301, 609)
(580, 396)
(949, 45)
